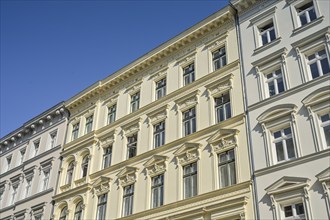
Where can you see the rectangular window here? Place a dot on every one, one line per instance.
(294, 211)
(318, 64)
(36, 145)
(190, 180)
(89, 124)
(75, 131)
(267, 33)
(222, 107)
(160, 88)
(131, 146)
(283, 144)
(157, 191)
(189, 121)
(188, 74)
(28, 187)
(219, 58)
(52, 142)
(306, 13)
(325, 126)
(112, 114)
(101, 207)
(45, 180)
(107, 157)
(227, 171)
(159, 134)
(128, 200)
(135, 102)
(275, 82)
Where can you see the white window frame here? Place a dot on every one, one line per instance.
(193, 189)
(107, 157)
(283, 140)
(85, 165)
(322, 125)
(69, 178)
(135, 101)
(275, 119)
(132, 145)
(191, 121)
(220, 58)
(102, 204)
(222, 106)
(157, 188)
(292, 204)
(111, 116)
(227, 167)
(89, 122)
(75, 131)
(317, 61)
(190, 75)
(128, 197)
(159, 134)
(161, 89)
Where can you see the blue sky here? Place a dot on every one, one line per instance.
(51, 50)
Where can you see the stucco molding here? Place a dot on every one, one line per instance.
(188, 153)
(101, 186)
(127, 176)
(223, 140)
(156, 165)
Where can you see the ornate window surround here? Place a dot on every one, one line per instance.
(324, 178)
(185, 61)
(268, 64)
(317, 103)
(276, 118)
(101, 186)
(287, 190)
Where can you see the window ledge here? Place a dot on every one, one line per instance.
(308, 25)
(266, 46)
(65, 187)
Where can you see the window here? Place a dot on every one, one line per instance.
(131, 146)
(89, 124)
(188, 74)
(8, 162)
(75, 131)
(128, 200)
(318, 64)
(189, 121)
(325, 126)
(13, 194)
(52, 142)
(63, 213)
(275, 83)
(45, 180)
(22, 156)
(101, 207)
(159, 134)
(157, 190)
(306, 13)
(36, 145)
(267, 33)
(294, 211)
(227, 173)
(283, 144)
(222, 107)
(69, 173)
(78, 211)
(219, 58)
(190, 180)
(107, 157)
(135, 101)
(112, 114)
(160, 88)
(84, 166)
(28, 187)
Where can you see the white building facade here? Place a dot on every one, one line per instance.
(285, 50)
(29, 165)
(164, 137)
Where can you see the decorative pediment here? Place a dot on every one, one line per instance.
(108, 140)
(187, 59)
(277, 112)
(223, 139)
(318, 96)
(127, 175)
(188, 101)
(220, 86)
(324, 175)
(159, 74)
(112, 100)
(156, 165)
(132, 127)
(158, 115)
(16, 180)
(188, 153)
(286, 184)
(134, 88)
(218, 42)
(101, 185)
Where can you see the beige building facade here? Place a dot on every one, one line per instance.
(29, 165)
(164, 137)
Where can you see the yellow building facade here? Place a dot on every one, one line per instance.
(164, 137)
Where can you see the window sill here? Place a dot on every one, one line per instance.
(267, 46)
(308, 25)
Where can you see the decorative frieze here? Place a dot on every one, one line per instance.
(156, 165)
(101, 185)
(188, 153)
(223, 140)
(127, 176)
(188, 101)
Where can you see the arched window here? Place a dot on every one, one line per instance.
(84, 166)
(63, 213)
(69, 172)
(78, 211)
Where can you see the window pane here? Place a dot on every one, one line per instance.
(280, 85)
(312, 14)
(264, 39)
(288, 211)
(271, 88)
(326, 130)
(314, 70)
(300, 209)
(223, 176)
(194, 185)
(303, 19)
(290, 148)
(232, 173)
(279, 151)
(325, 66)
(187, 187)
(277, 134)
(228, 111)
(272, 34)
(287, 131)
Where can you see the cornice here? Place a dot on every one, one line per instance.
(195, 32)
(72, 192)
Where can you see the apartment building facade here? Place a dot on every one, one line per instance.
(29, 165)
(164, 137)
(285, 50)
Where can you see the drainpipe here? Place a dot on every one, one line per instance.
(247, 122)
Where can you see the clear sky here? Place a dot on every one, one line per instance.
(51, 50)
